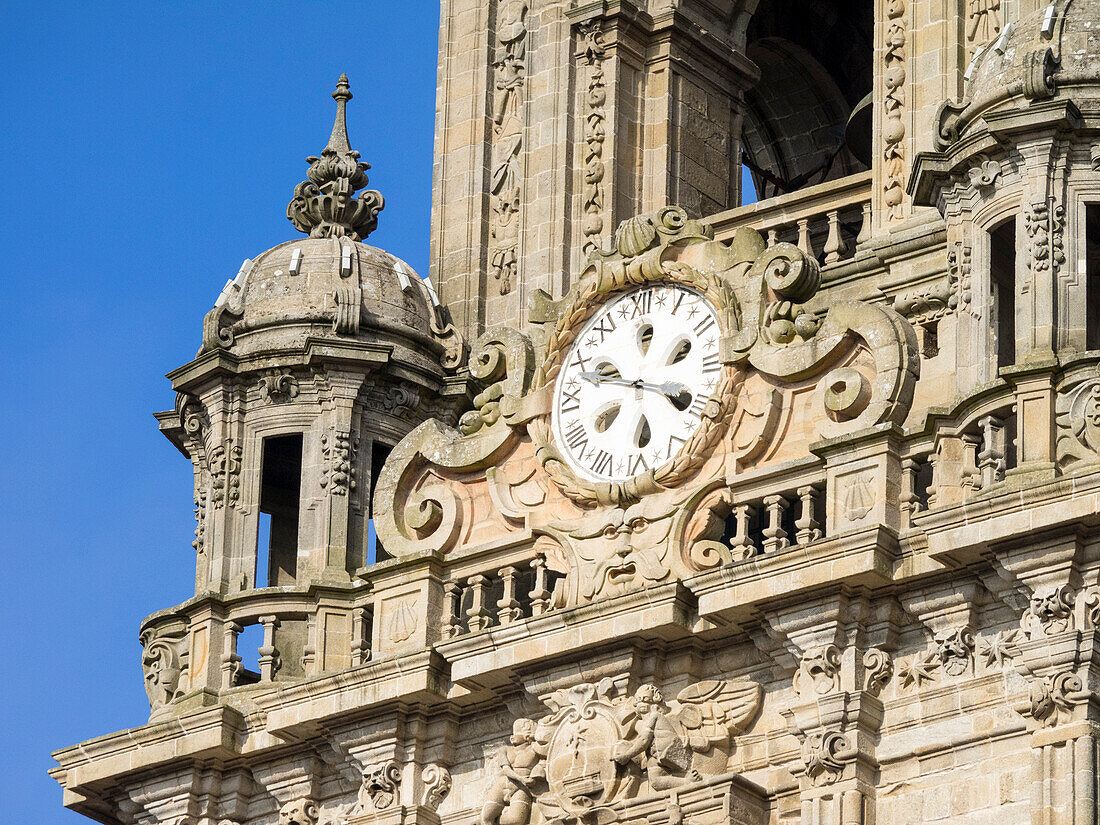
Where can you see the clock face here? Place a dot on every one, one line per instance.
(633, 388)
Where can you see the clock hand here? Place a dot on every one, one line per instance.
(669, 389)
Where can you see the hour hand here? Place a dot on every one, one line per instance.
(592, 377)
(672, 389)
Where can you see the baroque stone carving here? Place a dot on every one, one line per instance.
(338, 474)
(225, 474)
(299, 812)
(985, 174)
(591, 53)
(278, 385)
(955, 649)
(983, 21)
(878, 668)
(162, 663)
(918, 670)
(380, 785)
(997, 649)
(325, 205)
(1078, 422)
(1053, 698)
(636, 260)
(509, 72)
(437, 784)
(823, 755)
(1044, 223)
(858, 360)
(859, 496)
(893, 125)
(1050, 611)
(595, 750)
(817, 672)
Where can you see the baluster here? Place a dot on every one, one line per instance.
(360, 635)
(971, 476)
(808, 528)
(508, 608)
(991, 460)
(309, 652)
(269, 655)
(865, 226)
(231, 662)
(540, 595)
(452, 603)
(933, 487)
(834, 243)
(772, 240)
(804, 237)
(742, 545)
(775, 537)
(910, 499)
(478, 616)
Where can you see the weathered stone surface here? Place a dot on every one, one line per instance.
(857, 581)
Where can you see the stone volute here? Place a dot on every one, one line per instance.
(317, 358)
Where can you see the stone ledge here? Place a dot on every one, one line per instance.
(859, 557)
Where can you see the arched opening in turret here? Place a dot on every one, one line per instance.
(280, 501)
(1002, 287)
(379, 452)
(1092, 282)
(807, 120)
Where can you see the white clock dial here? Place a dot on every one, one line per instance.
(633, 388)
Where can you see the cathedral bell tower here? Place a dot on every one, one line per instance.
(317, 358)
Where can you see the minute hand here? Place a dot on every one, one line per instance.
(671, 389)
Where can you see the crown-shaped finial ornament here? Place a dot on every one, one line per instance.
(325, 205)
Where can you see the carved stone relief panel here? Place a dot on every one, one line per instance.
(596, 752)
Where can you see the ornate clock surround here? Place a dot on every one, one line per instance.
(632, 262)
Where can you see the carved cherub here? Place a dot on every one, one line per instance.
(653, 739)
(511, 794)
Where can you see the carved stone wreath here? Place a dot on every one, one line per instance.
(604, 280)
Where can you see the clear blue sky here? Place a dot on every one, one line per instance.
(147, 149)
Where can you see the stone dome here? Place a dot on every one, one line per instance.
(331, 285)
(1054, 52)
(324, 288)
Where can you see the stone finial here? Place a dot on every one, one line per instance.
(325, 205)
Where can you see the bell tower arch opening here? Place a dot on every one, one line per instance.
(808, 119)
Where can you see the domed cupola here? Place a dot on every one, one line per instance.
(320, 355)
(1016, 175)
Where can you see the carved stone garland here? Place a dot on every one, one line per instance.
(592, 52)
(893, 124)
(509, 70)
(637, 266)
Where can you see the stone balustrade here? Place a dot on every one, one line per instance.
(761, 524)
(201, 644)
(496, 597)
(827, 221)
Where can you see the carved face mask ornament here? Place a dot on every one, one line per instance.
(623, 550)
